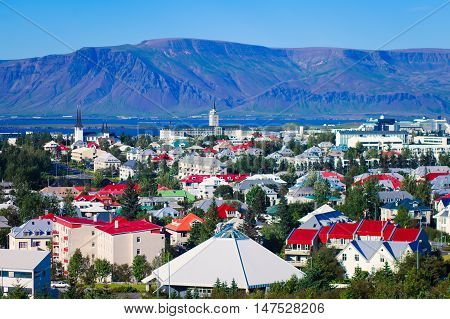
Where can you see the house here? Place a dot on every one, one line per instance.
(208, 186)
(323, 216)
(299, 246)
(128, 169)
(229, 255)
(26, 268)
(60, 191)
(179, 228)
(226, 211)
(35, 234)
(51, 146)
(371, 256)
(443, 220)
(106, 161)
(299, 194)
(415, 208)
(164, 212)
(387, 181)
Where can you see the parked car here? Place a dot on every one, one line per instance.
(59, 285)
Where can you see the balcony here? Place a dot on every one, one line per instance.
(66, 238)
(55, 232)
(297, 251)
(55, 243)
(66, 249)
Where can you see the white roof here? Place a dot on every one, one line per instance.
(21, 259)
(226, 256)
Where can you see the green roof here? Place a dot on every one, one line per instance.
(177, 193)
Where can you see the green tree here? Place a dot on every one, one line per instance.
(224, 191)
(256, 199)
(286, 221)
(103, 268)
(78, 265)
(403, 219)
(130, 201)
(322, 192)
(140, 267)
(121, 273)
(68, 208)
(248, 226)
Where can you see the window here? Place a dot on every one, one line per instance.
(138, 239)
(36, 244)
(342, 241)
(382, 259)
(138, 251)
(23, 245)
(93, 244)
(22, 274)
(344, 257)
(356, 257)
(93, 233)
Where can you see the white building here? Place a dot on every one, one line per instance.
(228, 256)
(213, 117)
(371, 256)
(443, 220)
(106, 161)
(25, 268)
(207, 187)
(197, 165)
(35, 234)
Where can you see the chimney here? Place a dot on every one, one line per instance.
(95, 218)
(116, 224)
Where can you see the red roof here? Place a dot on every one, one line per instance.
(323, 234)
(184, 224)
(62, 147)
(301, 236)
(430, 176)
(387, 231)
(223, 209)
(75, 222)
(48, 216)
(326, 174)
(161, 157)
(114, 189)
(209, 150)
(371, 227)
(124, 226)
(226, 177)
(343, 230)
(381, 177)
(405, 234)
(92, 144)
(442, 197)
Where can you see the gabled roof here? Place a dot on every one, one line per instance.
(343, 230)
(223, 209)
(405, 234)
(371, 227)
(302, 236)
(228, 255)
(184, 224)
(12, 259)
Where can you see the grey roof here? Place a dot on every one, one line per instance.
(249, 183)
(323, 216)
(164, 212)
(388, 196)
(34, 228)
(3, 222)
(205, 203)
(367, 248)
(130, 164)
(22, 259)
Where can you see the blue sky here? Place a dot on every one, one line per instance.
(359, 24)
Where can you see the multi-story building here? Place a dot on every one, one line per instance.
(30, 270)
(343, 136)
(118, 241)
(190, 165)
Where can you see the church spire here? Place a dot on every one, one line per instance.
(78, 122)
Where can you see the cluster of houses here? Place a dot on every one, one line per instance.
(99, 231)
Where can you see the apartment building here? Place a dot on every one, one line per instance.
(190, 165)
(118, 241)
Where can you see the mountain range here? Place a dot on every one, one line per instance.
(184, 77)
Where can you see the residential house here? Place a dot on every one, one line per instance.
(299, 246)
(443, 220)
(35, 234)
(322, 216)
(127, 169)
(387, 197)
(106, 161)
(190, 165)
(415, 209)
(179, 228)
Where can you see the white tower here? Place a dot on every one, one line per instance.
(78, 129)
(213, 117)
